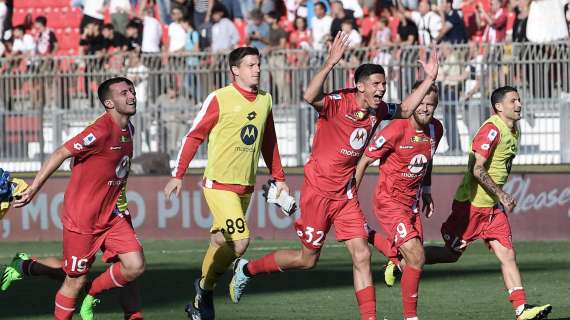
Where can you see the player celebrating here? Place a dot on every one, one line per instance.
(92, 219)
(480, 206)
(405, 148)
(238, 122)
(346, 119)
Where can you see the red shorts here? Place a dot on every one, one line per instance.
(400, 224)
(319, 213)
(79, 249)
(468, 223)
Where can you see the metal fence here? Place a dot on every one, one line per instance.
(43, 102)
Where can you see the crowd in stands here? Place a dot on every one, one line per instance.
(175, 26)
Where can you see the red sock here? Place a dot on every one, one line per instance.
(265, 264)
(111, 278)
(410, 285)
(517, 297)
(134, 316)
(64, 307)
(367, 303)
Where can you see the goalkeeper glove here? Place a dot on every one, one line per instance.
(284, 201)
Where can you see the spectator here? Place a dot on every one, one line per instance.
(407, 30)
(247, 5)
(3, 16)
(453, 29)
(46, 43)
(224, 33)
(277, 39)
(354, 37)
(546, 21)
(521, 18)
(267, 6)
(185, 6)
(339, 15)
(234, 9)
(300, 38)
(176, 33)
(476, 110)
(152, 32)
(113, 40)
(381, 34)
(120, 10)
(257, 31)
(191, 47)
(138, 74)
(428, 23)
(202, 12)
(92, 13)
(134, 36)
(173, 108)
(24, 43)
(354, 6)
(495, 23)
(321, 24)
(91, 40)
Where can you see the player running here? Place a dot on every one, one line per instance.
(237, 120)
(405, 148)
(480, 206)
(346, 119)
(92, 214)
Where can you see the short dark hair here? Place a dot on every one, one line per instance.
(103, 90)
(108, 26)
(20, 27)
(41, 20)
(364, 71)
(321, 4)
(432, 88)
(238, 54)
(499, 94)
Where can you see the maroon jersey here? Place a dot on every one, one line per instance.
(404, 153)
(102, 155)
(340, 138)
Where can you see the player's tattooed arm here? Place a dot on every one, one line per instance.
(47, 169)
(479, 171)
(314, 93)
(364, 162)
(412, 101)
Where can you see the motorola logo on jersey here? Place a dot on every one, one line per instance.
(358, 138)
(123, 167)
(248, 134)
(417, 164)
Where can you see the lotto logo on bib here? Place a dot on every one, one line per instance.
(248, 134)
(358, 138)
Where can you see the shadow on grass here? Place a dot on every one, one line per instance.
(170, 286)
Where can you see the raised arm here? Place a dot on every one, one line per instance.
(412, 101)
(314, 93)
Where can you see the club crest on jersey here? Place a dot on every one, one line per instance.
(492, 134)
(358, 138)
(89, 139)
(248, 134)
(417, 163)
(418, 139)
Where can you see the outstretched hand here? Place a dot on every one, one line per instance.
(338, 48)
(432, 66)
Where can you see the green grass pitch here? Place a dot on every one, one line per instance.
(469, 289)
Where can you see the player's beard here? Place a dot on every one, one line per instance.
(423, 120)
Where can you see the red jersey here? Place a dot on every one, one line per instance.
(404, 153)
(102, 155)
(340, 138)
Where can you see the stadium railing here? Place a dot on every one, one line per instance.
(44, 101)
